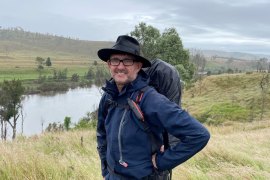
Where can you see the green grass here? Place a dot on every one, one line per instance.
(228, 97)
(18, 61)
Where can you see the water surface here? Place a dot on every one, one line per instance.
(40, 109)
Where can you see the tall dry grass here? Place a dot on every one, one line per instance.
(235, 151)
(50, 156)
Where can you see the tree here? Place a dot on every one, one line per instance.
(90, 73)
(11, 97)
(75, 77)
(167, 46)
(40, 62)
(199, 62)
(60, 74)
(264, 85)
(147, 36)
(170, 48)
(67, 122)
(2, 115)
(262, 65)
(48, 62)
(95, 63)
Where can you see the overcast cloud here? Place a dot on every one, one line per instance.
(229, 25)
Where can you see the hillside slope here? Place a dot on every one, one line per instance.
(19, 41)
(234, 97)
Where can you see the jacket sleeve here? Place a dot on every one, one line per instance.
(101, 136)
(160, 112)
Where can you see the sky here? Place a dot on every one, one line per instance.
(226, 25)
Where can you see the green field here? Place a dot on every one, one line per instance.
(19, 49)
(20, 67)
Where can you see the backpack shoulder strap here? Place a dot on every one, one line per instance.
(140, 94)
(134, 106)
(145, 124)
(111, 103)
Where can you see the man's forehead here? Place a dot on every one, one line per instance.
(121, 55)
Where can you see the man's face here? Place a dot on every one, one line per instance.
(126, 71)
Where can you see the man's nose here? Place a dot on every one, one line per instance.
(121, 65)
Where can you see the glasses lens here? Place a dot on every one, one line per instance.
(126, 62)
(114, 61)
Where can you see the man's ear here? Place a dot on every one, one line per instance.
(139, 65)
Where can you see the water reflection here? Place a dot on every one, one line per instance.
(40, 109)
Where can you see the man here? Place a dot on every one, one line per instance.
(125, 148)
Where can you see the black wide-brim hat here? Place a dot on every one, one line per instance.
(124, 45)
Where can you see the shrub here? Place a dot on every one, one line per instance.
(75, 77)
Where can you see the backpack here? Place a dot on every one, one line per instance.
(166, 80)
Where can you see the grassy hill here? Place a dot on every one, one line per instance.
(235, 97)
(16, 41)
(19, 49)
(238, 149)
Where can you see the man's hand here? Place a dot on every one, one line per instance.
(154, 156)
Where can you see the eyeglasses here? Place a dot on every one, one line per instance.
(125, 61)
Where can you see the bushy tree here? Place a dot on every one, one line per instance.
(48, 62)
(102, 74)
(199, 62)
(75, 77)
(90, 73)
(147, 36)
(40, 62)
(170, 48)
(60, 74)
(67, 123)
(167, 46)
(10, 103)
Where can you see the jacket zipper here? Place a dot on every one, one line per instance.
(121, 161)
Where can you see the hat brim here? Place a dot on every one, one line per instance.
(105, 54)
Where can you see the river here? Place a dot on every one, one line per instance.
(40, 109)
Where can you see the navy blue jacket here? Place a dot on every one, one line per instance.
(121, 140)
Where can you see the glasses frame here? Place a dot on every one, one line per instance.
(121, 60)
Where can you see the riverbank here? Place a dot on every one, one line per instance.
(35, 87)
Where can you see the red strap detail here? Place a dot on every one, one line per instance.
(138, 109)
(139, 97)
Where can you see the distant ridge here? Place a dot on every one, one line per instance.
(235, 55)
(16, 39)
